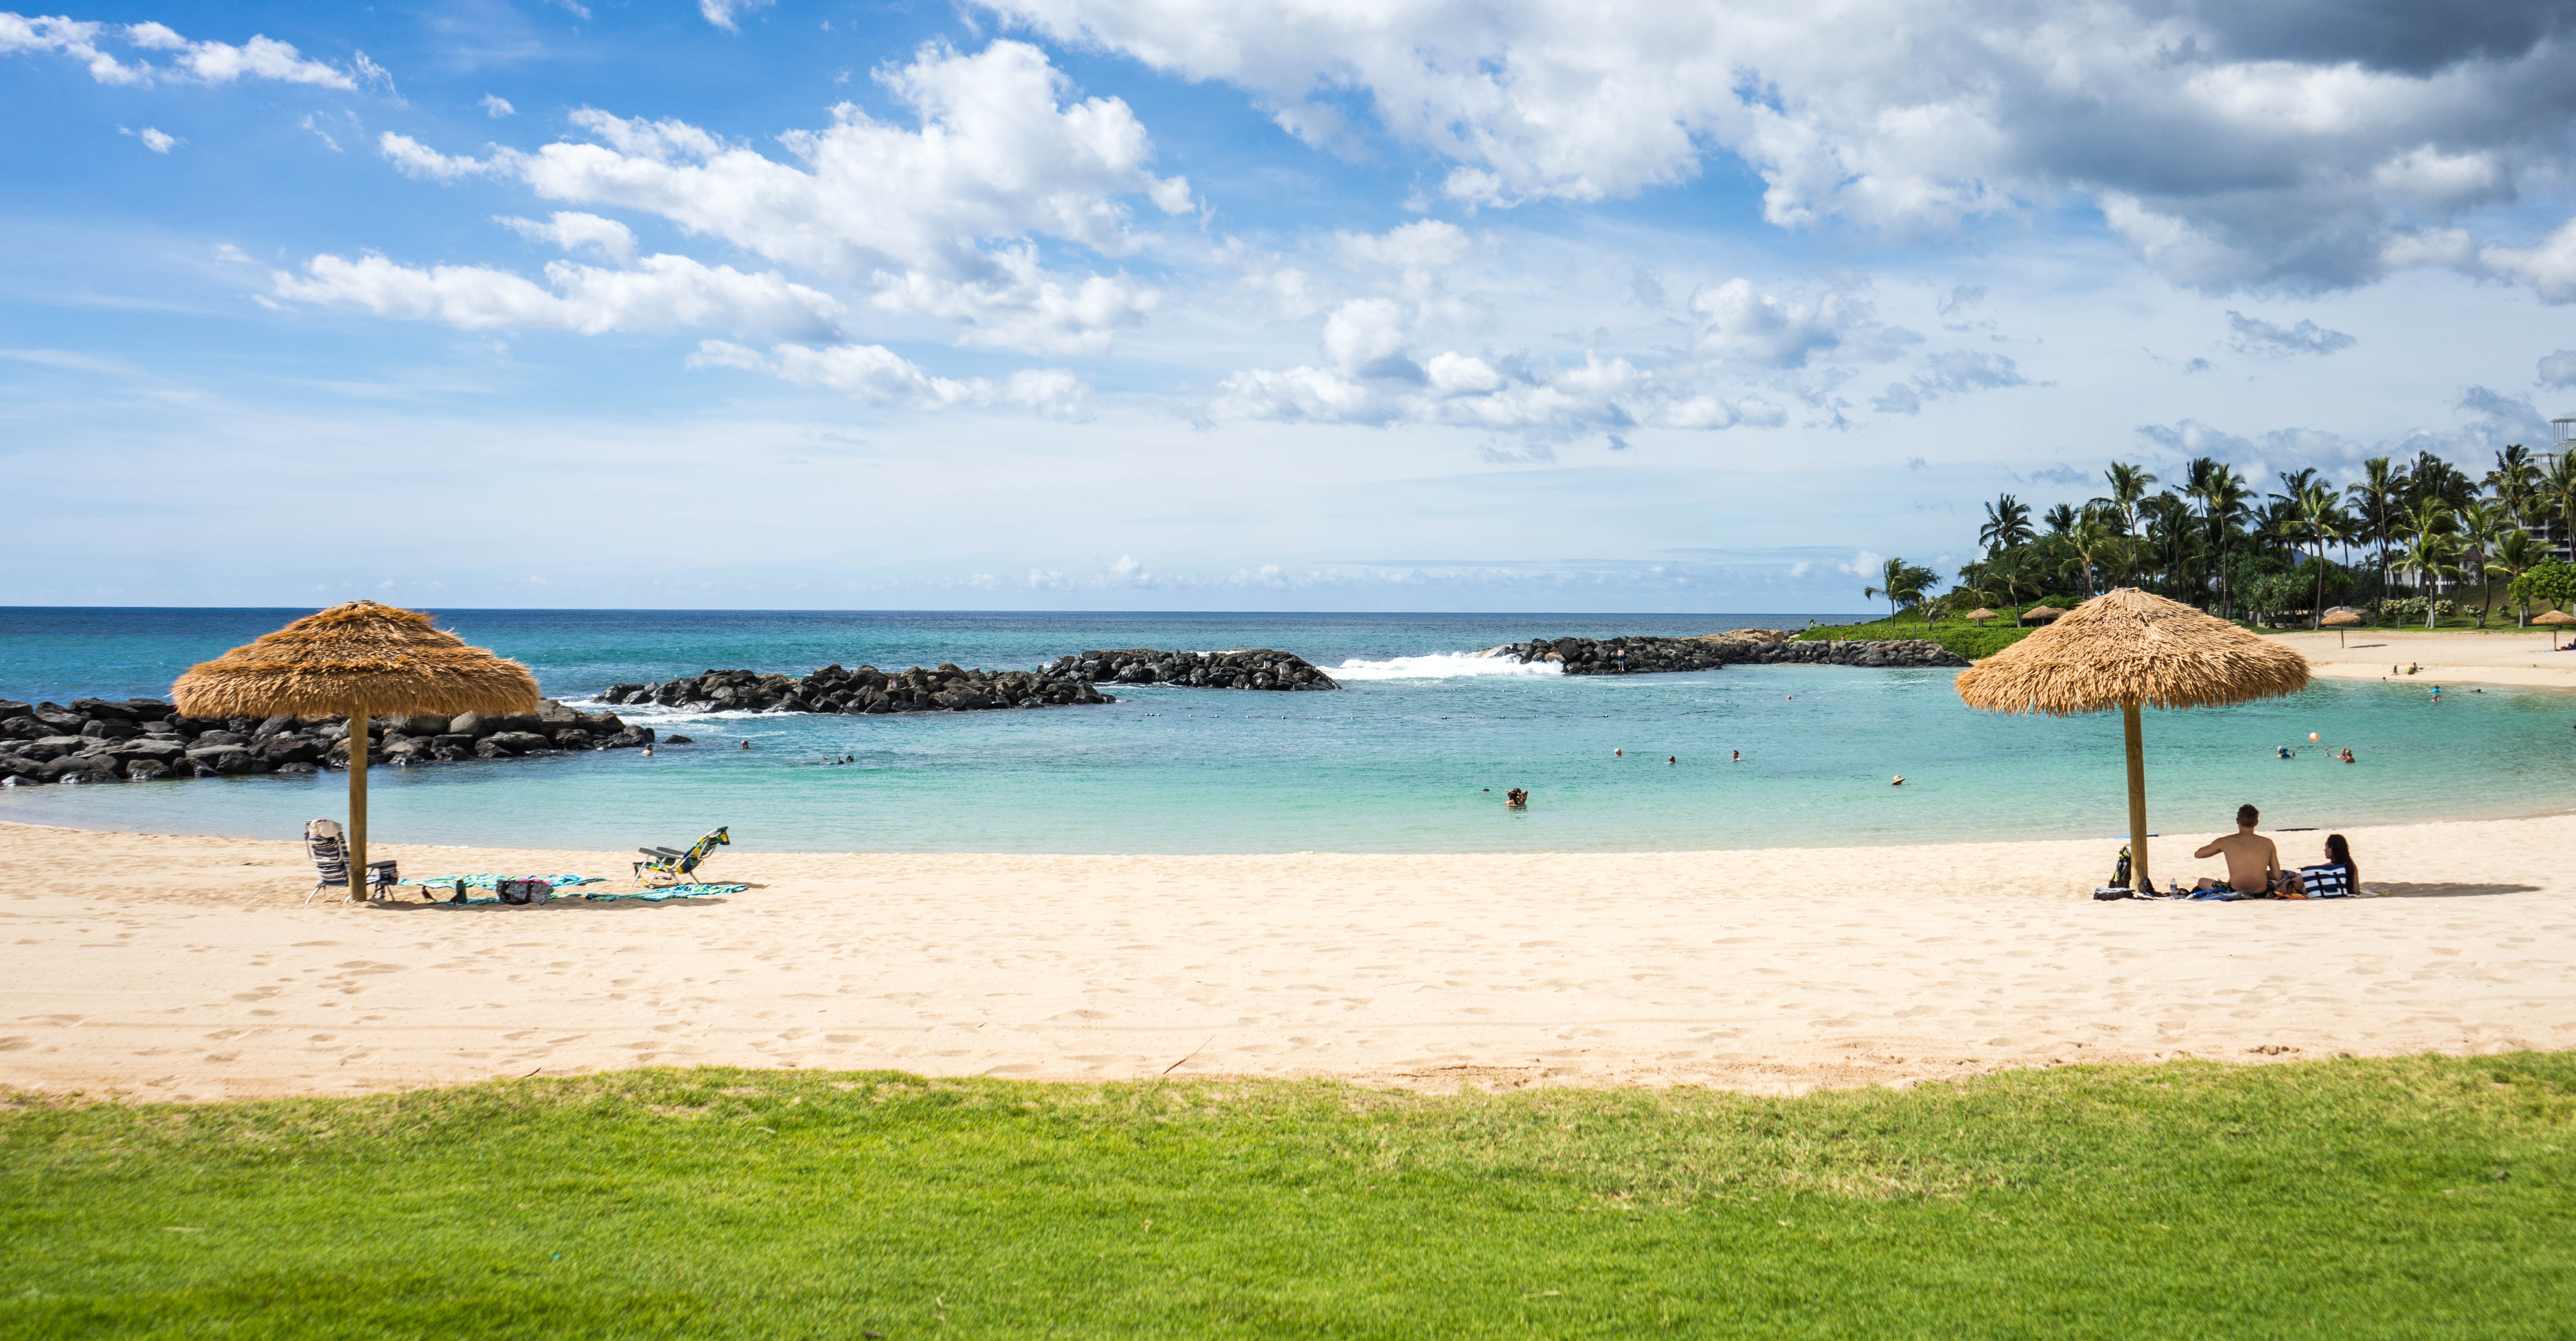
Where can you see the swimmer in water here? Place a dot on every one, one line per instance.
(746, 744)
(1739, 757)
(1672, 758)
(1516, 799)
(2347, 754)
(648, 751)
(1900, 781)
(1618, 754)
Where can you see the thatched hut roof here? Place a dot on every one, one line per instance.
(2042, 613)
(2128, 646)
(1981, 612)
(356, 657)
(2343, 616)
(2553, 617)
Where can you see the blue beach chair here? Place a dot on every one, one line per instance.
(667, 866)
(331, 862)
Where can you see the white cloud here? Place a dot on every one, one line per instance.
(1897, 399)
(572, 230)
(662, 293)
(2549, 268)
(943, 218)
(159, 142)
(1023, 307)
(1462, 390)
(879, 376)
(2558, 369)
(422, 163)
(494, 105)
(1743, 325)
(203, 62)
(2278, 146)
(2255, 336)
(1961, 370)
(722, 13)
(1866, 563)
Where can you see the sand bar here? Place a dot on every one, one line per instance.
(184, 967)
(2504, 655)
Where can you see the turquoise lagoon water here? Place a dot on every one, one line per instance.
(1400, 762)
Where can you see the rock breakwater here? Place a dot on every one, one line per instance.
(141, 740)
(946, 688)
(1250, 668)
(1649, 656)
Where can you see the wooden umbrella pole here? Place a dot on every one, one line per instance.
(2137, 797)
(358, 800)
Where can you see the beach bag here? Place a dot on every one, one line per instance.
(525, 891)
(2120, 871)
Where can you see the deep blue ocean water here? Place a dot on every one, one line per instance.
(1401, 761)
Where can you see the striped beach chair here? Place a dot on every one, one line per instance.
(667, 866)
(331, 862)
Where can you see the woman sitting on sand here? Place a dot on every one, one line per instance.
(2337, 875)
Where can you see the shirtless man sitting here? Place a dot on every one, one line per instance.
(2253, 864)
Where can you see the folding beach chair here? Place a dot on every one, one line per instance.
(331, 862)
(667, 865)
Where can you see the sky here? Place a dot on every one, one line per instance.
(1195, 305)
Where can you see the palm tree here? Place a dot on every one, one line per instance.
(2558, 494)
(2515, 479)
(2431, 545)
(2060, 519)
(1901, 583)
(2515, 554)
(2480, 523)
(2378, 497)
(2007, 524)
(2313, 516)
(2128, 485)
(2222, 494)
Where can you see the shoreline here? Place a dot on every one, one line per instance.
(2506, 657)
(161, 967)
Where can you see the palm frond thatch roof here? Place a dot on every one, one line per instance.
(2042, 613)
(2128, 646)
(2553, 617)
(358, 657)
(1981, 612)
(2343, 615)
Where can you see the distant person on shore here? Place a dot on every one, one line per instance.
(1516, 799)
(2253, 863)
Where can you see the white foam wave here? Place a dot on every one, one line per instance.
(654, 714)
(1442, 666)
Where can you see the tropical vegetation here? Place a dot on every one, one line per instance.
(2416, 541)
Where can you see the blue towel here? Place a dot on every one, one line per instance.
(669, 892)
(487, 880)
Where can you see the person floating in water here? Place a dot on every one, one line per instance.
(746, 744)
(1900, 781)
(1672, 758)
(2282, 752)
(2347, 754)
(1516, 799)
(1618, 754)
(1739, 757)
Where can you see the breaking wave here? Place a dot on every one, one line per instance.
(1442, 666)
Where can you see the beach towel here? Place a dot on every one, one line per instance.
(2327, 882)
(488, 880)
(657, 894)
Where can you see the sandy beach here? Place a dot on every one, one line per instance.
(187, 968)
(2505, 655)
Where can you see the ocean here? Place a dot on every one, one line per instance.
(1413, 757)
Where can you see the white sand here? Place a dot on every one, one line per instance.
(184, 968)
(2498, 656)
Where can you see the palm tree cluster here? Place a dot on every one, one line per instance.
(2396, 535)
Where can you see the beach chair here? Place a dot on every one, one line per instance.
(666, 866)
(331, 862)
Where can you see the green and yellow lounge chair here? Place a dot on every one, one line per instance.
(668, 866)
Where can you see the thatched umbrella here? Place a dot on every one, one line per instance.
(2554, 619)
(2123, 649)
(2340, 618)
(2041, 613)
(1981, 614)
(364, 660)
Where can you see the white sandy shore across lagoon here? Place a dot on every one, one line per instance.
(184, 968)
(2501, 656)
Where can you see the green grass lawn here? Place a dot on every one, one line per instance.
(2415, 1197)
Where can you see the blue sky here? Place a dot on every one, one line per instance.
(1186, 304)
